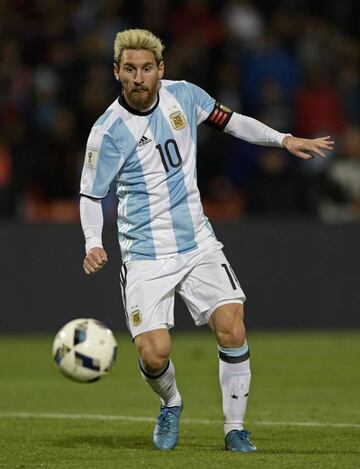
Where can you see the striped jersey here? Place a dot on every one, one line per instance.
(151, 156)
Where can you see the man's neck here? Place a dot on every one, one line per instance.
(136, 108)
(144, 111)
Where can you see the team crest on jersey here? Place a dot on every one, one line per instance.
(178, 120)
(136, 317)
(91, 158)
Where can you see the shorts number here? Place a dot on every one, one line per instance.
(167, 157)
(232, 281)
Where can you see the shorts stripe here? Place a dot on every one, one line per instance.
(123, 281)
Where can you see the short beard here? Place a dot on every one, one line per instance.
(141, 100)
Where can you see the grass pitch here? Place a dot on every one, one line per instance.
(303, 409)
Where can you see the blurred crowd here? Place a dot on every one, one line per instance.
(293, 65)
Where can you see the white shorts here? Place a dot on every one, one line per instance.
(203, 278)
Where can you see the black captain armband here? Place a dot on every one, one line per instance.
(219, 117)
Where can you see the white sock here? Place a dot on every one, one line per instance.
(235, 379)
(164, 384)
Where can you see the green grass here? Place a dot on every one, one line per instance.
(298, 377)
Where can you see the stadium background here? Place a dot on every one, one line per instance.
(290, 228)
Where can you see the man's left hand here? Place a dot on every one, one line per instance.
(306, 148)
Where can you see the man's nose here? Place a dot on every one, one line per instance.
(138, 77)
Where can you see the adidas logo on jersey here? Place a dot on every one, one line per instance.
(143, 141)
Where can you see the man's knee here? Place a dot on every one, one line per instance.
(227, 323)
(154, 349)
(231, 337)
(153, 360)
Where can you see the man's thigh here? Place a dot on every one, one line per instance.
(210, 284)
(148, 289)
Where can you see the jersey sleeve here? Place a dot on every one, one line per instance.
(101, 165)
(91, 217)
(253, 131)
(203, 101)
(209, 110)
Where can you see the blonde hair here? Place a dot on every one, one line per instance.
(137, 39)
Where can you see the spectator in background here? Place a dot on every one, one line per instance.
(274, 108)
(271, 61)
(198, 20)
(224, 202)
(277, 189)
(340, 200)
(15, 124)
(7, 199)
(244, 25)
(318, 110)
(229, 84)
(349, 82)
(197, 33)
(155, 17)
(318, 107)
(94, 95)
(56, 172)
(46, 85)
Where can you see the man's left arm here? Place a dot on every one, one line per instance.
(254, 131)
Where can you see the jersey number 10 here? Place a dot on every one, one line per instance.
(170, 154)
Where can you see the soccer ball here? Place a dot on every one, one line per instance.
(84, 350)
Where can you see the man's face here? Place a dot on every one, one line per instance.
(139, 75)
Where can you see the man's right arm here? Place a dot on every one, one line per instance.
(92, 220)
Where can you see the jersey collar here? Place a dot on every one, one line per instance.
(122, 101)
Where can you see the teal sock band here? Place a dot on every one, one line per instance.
(234, 355)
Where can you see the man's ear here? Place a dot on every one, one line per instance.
(116, 72)
(161, 68)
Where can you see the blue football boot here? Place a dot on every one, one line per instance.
(166, 432)
(237, 440)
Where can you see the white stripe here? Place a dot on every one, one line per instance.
(155, 178)
(307, 424)
(188, 147)
(122, 213)
(130, 418)
(136, 129)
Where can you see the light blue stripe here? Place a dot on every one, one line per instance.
(181, 92)
(103, 117)
(138, 215)
(234, 352)
(132, 179)
(107, 167)
(179, 209)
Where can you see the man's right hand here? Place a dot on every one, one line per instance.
(94, 260)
